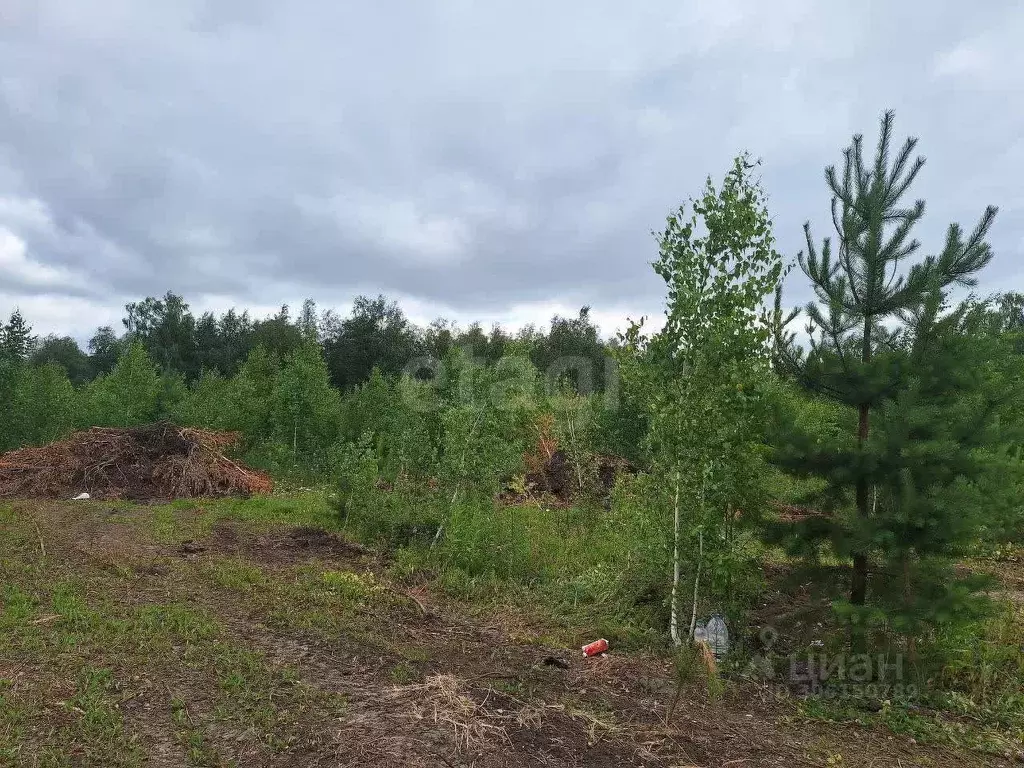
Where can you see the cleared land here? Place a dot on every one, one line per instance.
(241, 633)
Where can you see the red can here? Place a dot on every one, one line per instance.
(595, 648)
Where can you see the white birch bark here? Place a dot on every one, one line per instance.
(674, 620)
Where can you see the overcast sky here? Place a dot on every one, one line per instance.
(490, 159)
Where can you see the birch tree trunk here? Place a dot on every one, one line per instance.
(696, 581)
(674, 620)
(700, 560)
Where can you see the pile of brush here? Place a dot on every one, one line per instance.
(156, 462)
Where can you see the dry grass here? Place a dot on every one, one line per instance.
(441, 700)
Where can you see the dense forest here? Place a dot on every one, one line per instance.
(877, 454)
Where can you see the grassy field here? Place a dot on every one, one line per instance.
(247, 633)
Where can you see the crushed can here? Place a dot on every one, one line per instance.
(595, 648)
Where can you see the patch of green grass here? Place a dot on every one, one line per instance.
(548, 610)
(80, 626)
(359, 588)
(16, 606)
(565, 572)
(249, 687)
(409, 652)
(177, 522)
(74, 624)
(19, 544)
(94, 734)
(198, 751)
(332, 603)
(301, 508)
(982, 673)
(176, 620)
(63, 621)
(403, 674)
(235, 574)
(925, 726)
(187, 520)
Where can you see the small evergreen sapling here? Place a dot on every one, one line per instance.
(885, 349)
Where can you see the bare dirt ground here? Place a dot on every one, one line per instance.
(177, 636)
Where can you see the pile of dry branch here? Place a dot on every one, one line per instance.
(154, 462)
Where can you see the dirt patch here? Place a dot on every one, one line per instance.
(306, 542)
(277, 547)
(71, 535)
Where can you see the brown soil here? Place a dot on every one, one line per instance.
(471, 695)
(277, 547)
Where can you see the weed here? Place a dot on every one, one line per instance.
(693, 662)
(197, 751)
(12, 723)
(308, 508)
(982, 670)
(168, 526)
(182, 622)
(926, 727)
(250, 686)
(16, 606)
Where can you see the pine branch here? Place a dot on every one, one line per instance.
(898, 186)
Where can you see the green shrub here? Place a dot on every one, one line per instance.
(515, 544)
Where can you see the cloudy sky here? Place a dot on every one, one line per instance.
(490, 159)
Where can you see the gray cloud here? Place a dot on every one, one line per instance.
(477, 158)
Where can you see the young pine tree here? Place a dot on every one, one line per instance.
(879, 350)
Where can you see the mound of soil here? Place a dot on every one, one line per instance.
(156, 462)
(556, 476)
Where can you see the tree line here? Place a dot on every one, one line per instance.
(284, 382)
(376, 334)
